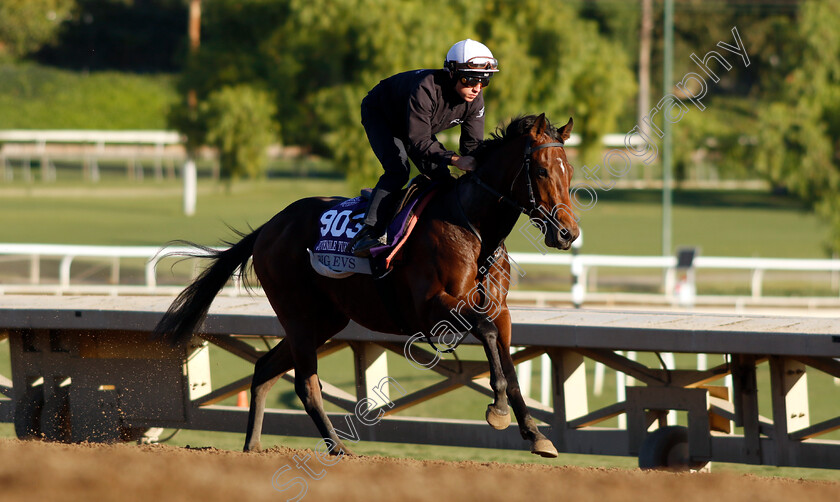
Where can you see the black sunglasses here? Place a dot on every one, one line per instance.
(474, 81)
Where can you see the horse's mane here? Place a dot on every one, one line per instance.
(517, 127)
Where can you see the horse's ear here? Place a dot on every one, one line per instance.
(539, 126)
(566, 130)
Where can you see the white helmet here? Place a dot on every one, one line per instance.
(470, 56)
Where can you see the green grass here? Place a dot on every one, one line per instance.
(40, 97)
(622, 222)
(721, 223)
(148, 213)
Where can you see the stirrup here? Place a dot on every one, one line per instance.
(366, 242)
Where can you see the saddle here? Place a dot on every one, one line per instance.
(331, 255)
(407, 194)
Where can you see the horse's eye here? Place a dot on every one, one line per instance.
(542, 172)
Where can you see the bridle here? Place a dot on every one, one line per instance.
(526, 166)
(483, 271)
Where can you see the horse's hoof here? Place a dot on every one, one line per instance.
(497, 421)
(544, 448)
(342, 451)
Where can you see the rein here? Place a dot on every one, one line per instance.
(526, 166)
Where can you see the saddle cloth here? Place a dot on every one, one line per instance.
(342, 222)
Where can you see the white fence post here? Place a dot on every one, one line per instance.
(64, 272)
(545, 379)
(755, 286)
(598, 381)
(578, 273)
(34, 269)
(190, 187)
(524, 371)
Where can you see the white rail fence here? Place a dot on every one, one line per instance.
(33, 255)
(582, 265)
(114, 257)
(88, 146)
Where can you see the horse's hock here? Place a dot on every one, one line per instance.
(102, 386)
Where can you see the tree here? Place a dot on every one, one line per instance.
(240, 124)
(320, 57)
(549, 68)
(26, 25)
(798, 144)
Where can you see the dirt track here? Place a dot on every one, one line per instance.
(31, 471)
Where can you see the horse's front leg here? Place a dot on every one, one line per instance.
(540, 445)
(446, 309)
(498, 413)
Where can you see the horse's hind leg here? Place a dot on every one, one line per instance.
(308, 388)
(267, 370)
(270, 367)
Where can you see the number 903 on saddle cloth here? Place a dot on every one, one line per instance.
(340, 223)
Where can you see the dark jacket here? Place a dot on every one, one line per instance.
(419, 104)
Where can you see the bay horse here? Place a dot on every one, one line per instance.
(521, 169)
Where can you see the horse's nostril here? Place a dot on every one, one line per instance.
(565, 234)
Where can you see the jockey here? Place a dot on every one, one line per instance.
(401, 116)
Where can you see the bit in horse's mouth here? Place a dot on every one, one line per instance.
(562, 239)
(553, 241)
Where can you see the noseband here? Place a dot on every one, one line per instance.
(526, 166)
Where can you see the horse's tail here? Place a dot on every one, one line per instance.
(189, 309)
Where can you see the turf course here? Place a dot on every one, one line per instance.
(721, 223)
(724, 223)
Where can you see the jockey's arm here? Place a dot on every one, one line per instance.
(472, 132)
(422, 143)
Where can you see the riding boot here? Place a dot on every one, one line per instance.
(368, 237)
(373, 232)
